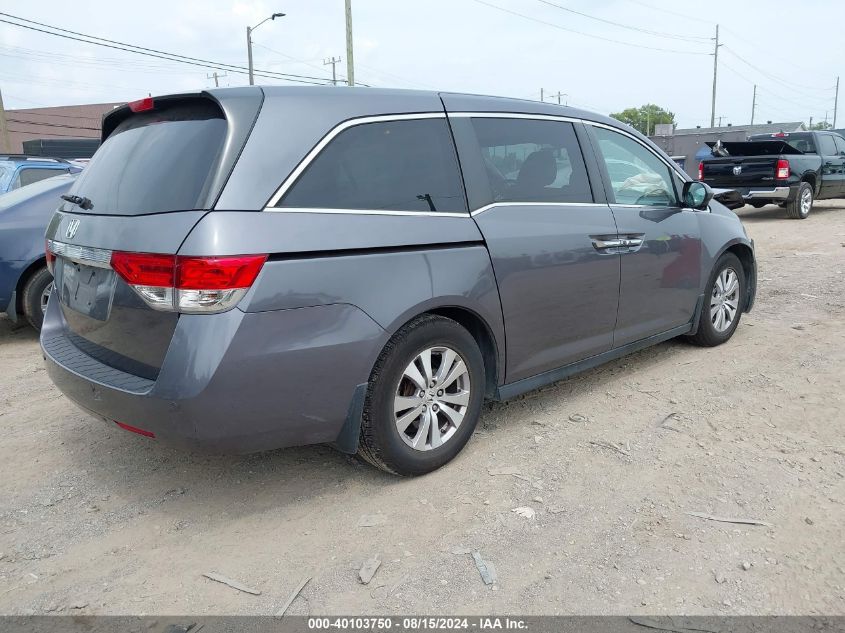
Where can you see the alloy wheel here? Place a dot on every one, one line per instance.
(45, 297)
(431, 398)
(806, 201)
(724, 301)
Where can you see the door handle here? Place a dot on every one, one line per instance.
(604, 244)
(622, 242)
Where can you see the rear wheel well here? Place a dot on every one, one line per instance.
(746, 258)
(25, 275)
(811, 180)
(483, 337)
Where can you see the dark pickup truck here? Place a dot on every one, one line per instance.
(790, 169)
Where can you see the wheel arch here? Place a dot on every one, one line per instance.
(811, 178)
(483, 336)
(26, 273)
(745, 253)
(487, 332)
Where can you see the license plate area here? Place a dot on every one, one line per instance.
(86, 289)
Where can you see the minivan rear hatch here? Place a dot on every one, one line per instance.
(161, 167)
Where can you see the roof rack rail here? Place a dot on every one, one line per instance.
(32, 157)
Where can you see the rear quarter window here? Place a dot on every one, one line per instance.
(403, 165)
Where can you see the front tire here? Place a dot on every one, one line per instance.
(723, 303)
(424, 397)
(36, 291)
(800, 207)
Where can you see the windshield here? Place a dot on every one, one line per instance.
(59, 184)
(155, 162)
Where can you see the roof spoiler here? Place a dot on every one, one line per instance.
(147, 104)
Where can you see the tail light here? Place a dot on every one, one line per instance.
(701, 170)
(782, 169)
(193, 285)
(141, 105)
(49, 255)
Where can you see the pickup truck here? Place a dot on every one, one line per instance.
(790, 169)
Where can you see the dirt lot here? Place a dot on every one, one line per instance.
(96, 520)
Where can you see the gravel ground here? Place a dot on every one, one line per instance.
(94, 520)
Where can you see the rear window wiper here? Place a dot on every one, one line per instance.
(81, 201)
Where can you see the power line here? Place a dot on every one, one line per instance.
(785, 83)
(150, 52)
(54, 134)
(597, 37)
(804, 106)
(62, 116)
(142, 48)
(674, 36)
(680, 15)
(45, 124)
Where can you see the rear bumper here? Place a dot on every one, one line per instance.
(234, 382)
(777, 193)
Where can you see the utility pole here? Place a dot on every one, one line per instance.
(715, 69)
(811, 123)
(5, 143)
(216, 77)
(249, 53)
(542, 95)
(753, 104)
(836, 103)
(350, 64)
(333, 62)
(559, 95)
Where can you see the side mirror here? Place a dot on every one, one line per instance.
(697, 195)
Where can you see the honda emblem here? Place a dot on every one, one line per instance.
(72, 228)
(737, 170)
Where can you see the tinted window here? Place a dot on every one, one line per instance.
(532, 161)
(156, 161)
(637, 175)
(827, 147)
(802, 141)
(840, 145)
(27, 176)
(395, 165)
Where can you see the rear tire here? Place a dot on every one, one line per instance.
(409, 427)
(800, 207)
(35, 292)
(725, 293)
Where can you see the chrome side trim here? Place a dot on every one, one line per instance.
(430, 214)
(778, 193)
(98, 257)
(514, 115)
(537, 204)
(310, 156)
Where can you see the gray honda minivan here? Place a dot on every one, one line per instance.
(252, 268)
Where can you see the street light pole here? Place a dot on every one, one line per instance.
(249, 54)
(249, 31)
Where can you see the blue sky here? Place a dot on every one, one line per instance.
(792, 50)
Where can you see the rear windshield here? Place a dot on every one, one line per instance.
(157, 161)
(802, 141)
